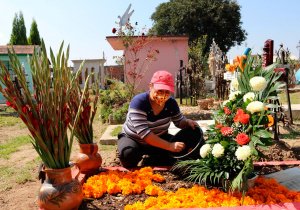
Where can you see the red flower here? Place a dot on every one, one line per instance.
(114, 30)
(9, 104)
(219, 126)
(25, 109)
(226, 131)
(241, 117)
(242, 139)
(244, 119)
(227, 110)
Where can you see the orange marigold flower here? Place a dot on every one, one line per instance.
(271, 120)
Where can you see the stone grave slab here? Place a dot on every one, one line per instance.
(289, 178)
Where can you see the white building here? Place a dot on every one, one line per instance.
(90, 66)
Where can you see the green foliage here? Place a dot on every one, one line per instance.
(9, 121)
(115, 101)
(253, 67)
(218, 19)
(34, 37)
(13, 145)
(116, 131)
(18, 35)
(198, 65)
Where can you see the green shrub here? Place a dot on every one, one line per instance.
(119, 116)
(114, 101)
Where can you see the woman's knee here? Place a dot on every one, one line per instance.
(129, 152)
(130, 156)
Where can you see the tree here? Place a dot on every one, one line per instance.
(198, 68)
(18, 35)
(34, 37)
(218, 19)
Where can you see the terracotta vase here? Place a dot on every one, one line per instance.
(60, 190)
(88, 159)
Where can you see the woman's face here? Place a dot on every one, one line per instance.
(160, 96)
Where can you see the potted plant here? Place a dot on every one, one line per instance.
(46, 114)
(240, 130)
(88, 159)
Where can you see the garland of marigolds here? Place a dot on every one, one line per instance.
(265, 191)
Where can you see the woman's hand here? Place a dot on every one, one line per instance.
(191, 123)
(177, 146)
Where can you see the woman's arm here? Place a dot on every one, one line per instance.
(156, 141)
(184, 123)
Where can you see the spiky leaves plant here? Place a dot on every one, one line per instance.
(44, 111)
(85, 101)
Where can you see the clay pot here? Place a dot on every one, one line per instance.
(60, 190)
(88, 159)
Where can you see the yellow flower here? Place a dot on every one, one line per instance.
(230, 68)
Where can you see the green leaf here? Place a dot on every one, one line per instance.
(263, 134)
(225, 144)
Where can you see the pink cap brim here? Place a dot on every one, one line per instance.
(163, 87)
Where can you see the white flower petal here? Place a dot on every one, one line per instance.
(255, 106)
(258, 83)
(205, 150)
(218, 150)
(243, 152)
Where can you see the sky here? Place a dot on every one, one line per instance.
(84, 25)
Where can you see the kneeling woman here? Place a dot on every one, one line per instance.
(145, 131)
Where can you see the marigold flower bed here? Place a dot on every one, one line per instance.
(265, 191)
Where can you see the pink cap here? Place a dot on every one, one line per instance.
(163, 80)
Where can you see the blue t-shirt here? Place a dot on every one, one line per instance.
(141, 120)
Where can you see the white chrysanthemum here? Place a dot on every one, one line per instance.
(258, 83)
(225, 102)
(255, 106)
(233, 95)
(218, 150)
(205, 150)
(243, 152)
(234, 85)
(249, 95)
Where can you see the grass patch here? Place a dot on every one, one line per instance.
(107, 148)
(12, 146)
(291, 135)
(26, 173)
(294, 97)
(5, 174)
(116, 131)
(186, 101)
(6, 121)
(10, 175)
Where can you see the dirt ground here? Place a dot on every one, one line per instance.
(23, 196)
